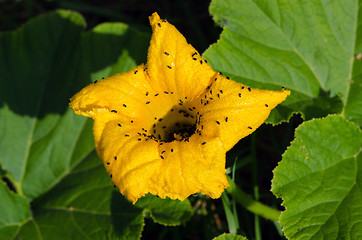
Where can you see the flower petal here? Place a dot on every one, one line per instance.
(174, 169)
(126, 97)
(123, 93)
(173, 64)
(232, 110)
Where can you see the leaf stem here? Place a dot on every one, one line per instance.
(250, 204)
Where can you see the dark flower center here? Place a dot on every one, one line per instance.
(179, 124)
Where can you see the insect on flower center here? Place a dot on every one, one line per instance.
(179, 124)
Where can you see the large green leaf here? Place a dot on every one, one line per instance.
(46, 151)
(320, 179)
(353, 109)
(84, 205)
(14, 211)
(43, 65)
(305, 46)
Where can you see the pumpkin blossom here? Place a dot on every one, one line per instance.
(165, 126)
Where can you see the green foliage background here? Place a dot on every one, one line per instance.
(54, 186)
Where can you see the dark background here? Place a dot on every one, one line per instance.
(191, 17)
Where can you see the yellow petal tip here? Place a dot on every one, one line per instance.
(154, 18)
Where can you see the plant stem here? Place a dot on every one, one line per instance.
(255, 185)
(250, 204)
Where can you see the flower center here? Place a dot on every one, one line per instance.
(179, 124)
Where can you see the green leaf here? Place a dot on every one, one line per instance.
(353, 111)
(320, 179)
(226, 236)
(14, 211)
(84, 205)
(166, 211)
(307, 47)
(44, 64)
(36, 136)
(353, 107)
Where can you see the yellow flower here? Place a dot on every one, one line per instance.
(164, 127)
